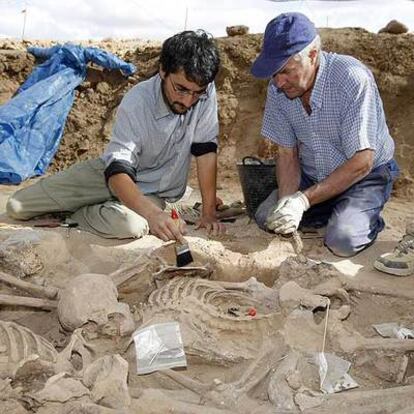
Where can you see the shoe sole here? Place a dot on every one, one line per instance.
(394, 272)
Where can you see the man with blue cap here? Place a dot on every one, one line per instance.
(335, 164)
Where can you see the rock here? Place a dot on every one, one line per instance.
(292, 296)
(103, 87)
(61, 389)
(239, 30)
(107, 379)
(12, 407)
(280, 393)
(394, 27)
(18, 254)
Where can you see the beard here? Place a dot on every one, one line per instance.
(176, 107)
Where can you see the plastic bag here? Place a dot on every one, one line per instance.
(158, 347)
(32, 122)
(333, 372)
(393, 330)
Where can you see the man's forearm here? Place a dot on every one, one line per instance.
(130, 195)
(287, 171)
(352, 171)
(207, 179)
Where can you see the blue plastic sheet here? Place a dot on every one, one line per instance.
(32, 122)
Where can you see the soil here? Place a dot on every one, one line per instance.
(236, 362)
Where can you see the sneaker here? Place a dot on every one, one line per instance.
(401, 261)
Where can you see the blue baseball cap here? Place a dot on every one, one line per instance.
(285, 36)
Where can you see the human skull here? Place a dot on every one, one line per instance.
(93, 298)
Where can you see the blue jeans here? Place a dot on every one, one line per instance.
(352, 219)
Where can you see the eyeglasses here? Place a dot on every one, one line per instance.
(180, 90)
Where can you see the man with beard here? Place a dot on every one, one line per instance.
(159, 124)
(335, 164)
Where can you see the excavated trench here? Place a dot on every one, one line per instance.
(236, 362)
(252, 323)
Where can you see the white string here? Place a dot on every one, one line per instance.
(326, 325)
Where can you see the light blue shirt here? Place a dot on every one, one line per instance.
(347, 116)
(156, 141)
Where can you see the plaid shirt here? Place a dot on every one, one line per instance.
(347, 116)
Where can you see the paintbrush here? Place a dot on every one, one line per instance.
(182, 250)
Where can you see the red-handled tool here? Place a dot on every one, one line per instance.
(182, 250)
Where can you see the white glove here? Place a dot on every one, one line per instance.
(287, 214)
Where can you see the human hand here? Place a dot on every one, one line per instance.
(164, 227)
(211, 224)
(287, 214)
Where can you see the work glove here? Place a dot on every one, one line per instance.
(287, 214)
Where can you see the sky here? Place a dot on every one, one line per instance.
(159, 19)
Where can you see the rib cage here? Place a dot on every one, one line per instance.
(209, 331)
(210, 295)
(18, 344)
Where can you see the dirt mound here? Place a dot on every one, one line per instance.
(241, 97)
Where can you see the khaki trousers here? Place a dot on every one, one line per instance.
(82, 192)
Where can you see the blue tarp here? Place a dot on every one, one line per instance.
(32, 122)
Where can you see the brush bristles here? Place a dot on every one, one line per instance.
(183, 253)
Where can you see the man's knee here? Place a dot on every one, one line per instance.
(15, 208)
(342, 242)
(131, 226)
(111, 221)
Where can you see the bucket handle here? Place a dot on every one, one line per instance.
(250, 157)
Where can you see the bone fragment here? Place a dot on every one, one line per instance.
(195, 386)
(154, 401)
(292, 296)
(388, 344)
(46, 292)
(278, 390)
(11, 300)
(393, 291)
(368, 402)
(122, 275)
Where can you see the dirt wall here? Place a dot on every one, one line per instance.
(241, 97)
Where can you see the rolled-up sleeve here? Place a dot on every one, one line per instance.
(276, 126)
(207, 128)
(359, 124)
(126, 140)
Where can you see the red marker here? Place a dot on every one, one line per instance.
(174, 214)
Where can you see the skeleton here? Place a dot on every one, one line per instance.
(19, 345)
(87, 298)
(214, 317)
(234, 395)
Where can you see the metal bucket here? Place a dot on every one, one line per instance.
(258, 180)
